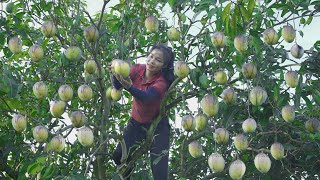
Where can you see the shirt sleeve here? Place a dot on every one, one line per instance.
(144, 96)
(157, 90)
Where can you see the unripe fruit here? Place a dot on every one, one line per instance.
(292, 78)
(204, 81)
(19, 122)
(85, 92)
(116, 94)
(103, 72)
(288, 33)
(173, 34)
(113, 64)
(210, 105)
(78, 119)
(40, 90)
(128, 42)
(195, 149)
(108, 93)
(258, 96)
(297, 51)
(218, 39)
(270, 36)
(249, 70)
(91, 33)
(188, 123)
(249, 125)
(312, 125)
(57, 108)
(240, 142)
(122, 68)
(36, 53)
(57, 144)
(10, 7)
(277, 151)
(220, 77)
(181, 69)
(241, 43)
(40, 133)
(201, 122)
(262, 162)
(288, 113)
(88, 77)
(90, 66)
(48, 29)
(85, 136)
(229, 96)
(221, 136)
(73, 53)
(216, 162)
(15, 45)
(152, 24)
(65, 93)
(237, 169)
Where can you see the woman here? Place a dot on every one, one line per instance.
(148, 84)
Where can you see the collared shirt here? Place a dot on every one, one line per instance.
(147, 95)
(144, 111)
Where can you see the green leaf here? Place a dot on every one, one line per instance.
(317, 45)
(308, 102)
(2, 39)
(194, 76)
(34, 168)
(22, 172)
(234, 24)
(20, 15)
(301, 33)
(15, 104)
(171, 2)
(204, 81)
(41, 160)
(47, 6)
(309, 20)
(279, 6)
(226, 12)
(182, 178)
(48, 171)
(4, 85)
(251, 6)
(245, 13)
(276, 92)
(316, 96)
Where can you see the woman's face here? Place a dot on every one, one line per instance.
(155, 61)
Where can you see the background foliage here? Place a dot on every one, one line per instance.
(123, 36)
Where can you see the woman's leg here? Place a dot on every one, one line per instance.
(160, 149)
(132, 135)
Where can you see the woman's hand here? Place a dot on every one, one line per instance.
(126, 82)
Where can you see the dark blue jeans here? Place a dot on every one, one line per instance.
(135, 133)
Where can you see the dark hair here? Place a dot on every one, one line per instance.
(167, 69)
